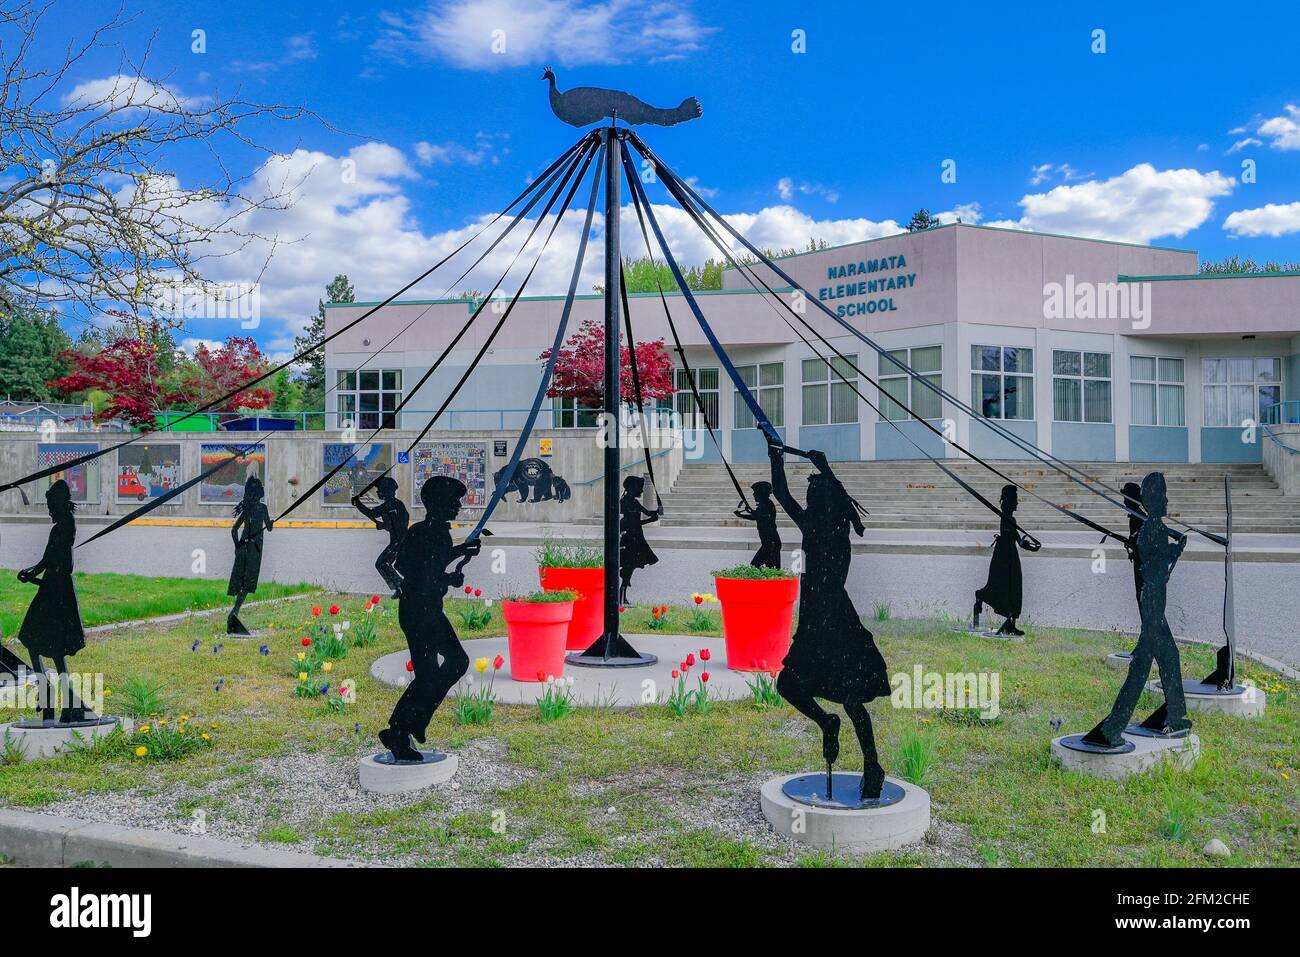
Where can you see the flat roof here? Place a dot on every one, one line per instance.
(587, 295)
(1213, 275)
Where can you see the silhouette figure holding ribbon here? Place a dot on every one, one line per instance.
(251, 519)
(1004, 590)
(763, 514)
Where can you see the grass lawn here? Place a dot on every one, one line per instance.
(642, 787)
(107, 597)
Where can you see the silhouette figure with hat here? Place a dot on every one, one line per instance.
(52, 626)
(423, 558)
(763, 514)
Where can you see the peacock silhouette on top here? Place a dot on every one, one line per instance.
(584, 105)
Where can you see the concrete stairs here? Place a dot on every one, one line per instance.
(915, 494)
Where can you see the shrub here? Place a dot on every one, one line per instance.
(754, 574)
(544, 597)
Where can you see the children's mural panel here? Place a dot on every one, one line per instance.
(226, 485)
(147, 471)
(83, 479)
(362, 464)
(465, 461)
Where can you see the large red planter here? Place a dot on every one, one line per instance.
(589, 610)
(535, 632)
(757, 615)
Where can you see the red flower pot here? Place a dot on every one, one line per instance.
(536, 632)
(589, 610)
(757, 615)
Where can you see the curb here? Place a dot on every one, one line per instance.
(44, 840)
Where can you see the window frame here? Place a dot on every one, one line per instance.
(1001, 373)
(845, 376)
(1254, 383)
(683, 402)
(738, 405)
(1157, 382)
(882, 377)
(1082, 378)
(350, 388)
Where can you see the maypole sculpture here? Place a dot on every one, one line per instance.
(582, 106)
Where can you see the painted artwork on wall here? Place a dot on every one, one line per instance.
(362, 464)
(466, 461)
(226, 485)
(83, 479)
(145, 471)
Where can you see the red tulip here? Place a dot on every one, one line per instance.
(773, 674)
(374, 599)
(468, 589)
(656, 612)
(334, 609)
(621, 609)
(541, 675)
(315, 612)
(704, 676)
(478, 593)
(497, 662)
(306, 642)
(685, 666)
(699, 599)
(690, 659)
(676, 674)
(410, 666)
(705, 654)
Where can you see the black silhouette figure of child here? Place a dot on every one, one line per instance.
(1004, 589)
(633, 550)
(832, 655)
(764, 515)
(390, 516)
(251, 520)
(52, 625)
(1157, 556)
(423, 558)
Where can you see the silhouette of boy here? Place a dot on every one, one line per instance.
(763, 514)
(390, 516)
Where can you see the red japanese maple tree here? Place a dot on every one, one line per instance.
(223, 370)
(126, 369)
(580, 368)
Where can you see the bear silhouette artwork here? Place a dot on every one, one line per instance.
(763, 514)
(252, 519)
(535, 476)
(1004, 589)
(390, 516)
(1158, 551)
(52, 626)
(423, 558)
(832, 655)
(633, 550)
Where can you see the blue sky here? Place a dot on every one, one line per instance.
(1144, 142)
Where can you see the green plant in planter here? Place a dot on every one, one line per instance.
(544, 597)
(749, 572)
(554, 553)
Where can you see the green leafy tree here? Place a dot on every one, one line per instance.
(31, 342)
(921, 219)
(1233, 265)
(312, 376)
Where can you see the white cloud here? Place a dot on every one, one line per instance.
(1242, 143)
(1274, 219)
(1062, 171)
(1137, 206)
(485, 148)
(965, 212)
(492, 34)
(123, 92)
(1283, 131)
(787, 188)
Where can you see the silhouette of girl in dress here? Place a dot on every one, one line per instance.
(764, 515)
(1004, 590)
(1158, 551)
(52, 626)
(252, 517)
(633, 550)
(832, 655)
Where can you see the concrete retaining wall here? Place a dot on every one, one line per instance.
(1281, 463)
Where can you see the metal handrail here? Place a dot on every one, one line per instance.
(623, 468)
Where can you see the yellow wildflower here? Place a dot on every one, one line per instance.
(141, 751)
(206, 737)
(144, 729)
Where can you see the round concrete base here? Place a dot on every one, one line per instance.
(380, 774)
(36, 740)
(856, 831)
(990, 634)
(1146, 753)
(1240, 701)
(1119, 659)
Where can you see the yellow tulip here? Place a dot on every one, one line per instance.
(481, 665)
(302, 676)
(327, 667)
(302, 656)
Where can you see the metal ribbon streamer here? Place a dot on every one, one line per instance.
(549, 369)
(90, 456)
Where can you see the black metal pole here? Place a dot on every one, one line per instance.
(612, 650)
(613, 385)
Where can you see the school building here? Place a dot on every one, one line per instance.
(1091, 350)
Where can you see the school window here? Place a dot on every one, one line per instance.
(1002, 382)
(568, 413)
(706, 381)
(1156, 390)
(1237, 389)
(767, 382)
(368, 398)
(902, 389)
(1080, 386)
(828, 391)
